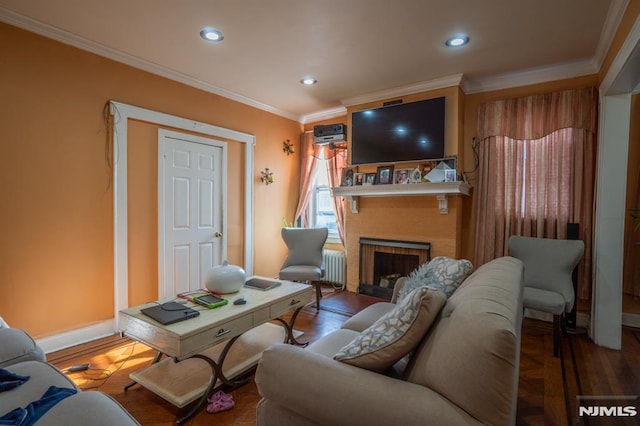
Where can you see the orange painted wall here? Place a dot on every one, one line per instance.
(56, 219)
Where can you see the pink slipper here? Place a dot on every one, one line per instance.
(217, 406)
(219, 402)
(220, 396)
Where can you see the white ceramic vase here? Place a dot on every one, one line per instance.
(225, 278)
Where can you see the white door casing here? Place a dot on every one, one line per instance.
(191, 210)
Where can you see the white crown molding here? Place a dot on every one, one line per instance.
(611, 24)
(326, 114)
(622, 75)
(531, 76)
(438, 83)
(12, 18)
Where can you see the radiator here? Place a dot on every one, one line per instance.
(334, 266)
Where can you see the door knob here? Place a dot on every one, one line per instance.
(217, 234)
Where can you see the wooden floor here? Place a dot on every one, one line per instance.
(547, 394)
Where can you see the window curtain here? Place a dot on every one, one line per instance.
(308, 164)
(336, 161)
(335, 165)
(536, 172)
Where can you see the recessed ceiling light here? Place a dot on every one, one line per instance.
(456, 41)
(308, 81)
(211, 34)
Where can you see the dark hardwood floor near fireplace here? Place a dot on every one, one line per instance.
(547, 390)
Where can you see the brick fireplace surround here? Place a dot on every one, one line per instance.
(407, 218)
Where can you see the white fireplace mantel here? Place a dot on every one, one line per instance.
(440, 190)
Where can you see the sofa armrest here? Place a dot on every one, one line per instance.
(333, 393)
(396, 288)
(18, 346)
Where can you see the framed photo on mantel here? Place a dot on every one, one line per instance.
(348, 176)
(385, 175)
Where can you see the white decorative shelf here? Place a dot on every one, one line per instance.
(440, 190)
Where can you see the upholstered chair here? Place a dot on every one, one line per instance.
(548, 285)
(304, 261)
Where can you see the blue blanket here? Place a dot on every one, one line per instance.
(9, 380)
(31, 413)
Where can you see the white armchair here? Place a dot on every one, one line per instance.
(548, 285)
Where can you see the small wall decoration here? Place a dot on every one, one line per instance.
(266, 176)
(287, 147)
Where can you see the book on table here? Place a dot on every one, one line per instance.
(261, 284)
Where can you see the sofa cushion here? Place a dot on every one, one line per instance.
(396, 333)
(366, 317)
(331, 343)
(18, 346)
(441, 273)
(88, 408)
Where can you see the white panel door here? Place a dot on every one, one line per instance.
(191, 203)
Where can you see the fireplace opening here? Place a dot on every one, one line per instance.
(382, 262)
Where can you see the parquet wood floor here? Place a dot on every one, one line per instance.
(547, 390)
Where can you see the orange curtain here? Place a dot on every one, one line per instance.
(307, 172)
(536, 172)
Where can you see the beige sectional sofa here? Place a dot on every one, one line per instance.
(464, 371)
(20, 355)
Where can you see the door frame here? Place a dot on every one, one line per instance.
(620, 82)
(163, 134)
(121, 114)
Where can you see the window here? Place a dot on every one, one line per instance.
(321, 213)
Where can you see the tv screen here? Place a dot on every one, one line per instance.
(396, 133)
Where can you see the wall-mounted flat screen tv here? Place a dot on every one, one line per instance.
(402, 132)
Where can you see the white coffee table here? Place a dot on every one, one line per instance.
(210, 337)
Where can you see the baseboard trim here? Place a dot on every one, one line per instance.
(582, 319)
(631, 320)
(75, 337)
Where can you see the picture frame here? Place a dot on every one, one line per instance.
(370, 179)
(402, 176)
(358, 179)
(348, 176)
(450, 175)
(416, 175)
(384, 175)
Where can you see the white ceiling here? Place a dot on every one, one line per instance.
(358, 50)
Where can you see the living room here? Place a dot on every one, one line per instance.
(59, 220)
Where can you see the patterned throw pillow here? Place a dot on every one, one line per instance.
(442, 273)
(394, 334)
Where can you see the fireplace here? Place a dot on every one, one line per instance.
(382, 262)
